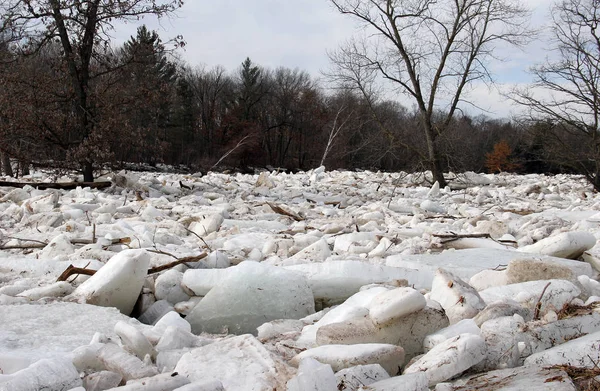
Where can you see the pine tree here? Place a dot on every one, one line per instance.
(150, 79)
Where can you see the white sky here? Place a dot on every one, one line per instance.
(298, 33)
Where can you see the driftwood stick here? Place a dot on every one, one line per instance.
(461, 236)
(71, 270)
(538, 305)
(447, 238)
(281, 211)
(199, 237)
(28, 240)
(195, 258)
(23, 246)
(92, 241)
(40, 244)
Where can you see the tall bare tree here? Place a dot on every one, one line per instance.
(431, 51)
(566, 91)
(82, 27)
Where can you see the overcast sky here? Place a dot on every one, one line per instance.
(298, 33)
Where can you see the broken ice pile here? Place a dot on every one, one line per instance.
(310, 281)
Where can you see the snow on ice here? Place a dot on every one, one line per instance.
(310, 281)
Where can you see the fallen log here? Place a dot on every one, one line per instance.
(57, 185)
(40, 244)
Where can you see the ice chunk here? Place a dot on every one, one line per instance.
(57, 289)
(355, 242)
(118, 283)
(459, 299)
(164, 381)
(56, 374)
(264, 180)
(207, 225)
(433, 207)
(171, 318)
(349, 379)
(168, 287)
(514, 379)
(390, 357)
(408, 382)
(465, 326)
(450, 358)
(434, 192)
(166, 360)
(176, 338)
(488, 278)
(528, 293)
(463, 263)
(502, 336)
(251, 295)
(151, 214)
(241, 363)
(564, 245)
(312, 376)
(201, 281)
(216, 260)
(277, 327)
(207, 385)
(355, 307)
(59, 248)
(134, 340)
(502, 308)
(522, 270)
(156, 311)
(31, 332)
(112, 358)
(408, 331)
(102, 380)
(317, 252)
(334, 281)
(583, 352)
(395, 303)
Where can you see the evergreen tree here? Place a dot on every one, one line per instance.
(150, 80)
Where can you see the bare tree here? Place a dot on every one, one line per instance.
(566, 91)
(432, 51)
(337, 126)
(82, 28)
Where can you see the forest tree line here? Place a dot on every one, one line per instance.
(154, 108)
(69, 99)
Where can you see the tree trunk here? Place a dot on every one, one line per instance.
(24, 166)
(596, 183)
(436, 169)
(434, 162)
(6, 167)
(88, 172)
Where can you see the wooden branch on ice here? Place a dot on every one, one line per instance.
(72, 270)
(23, 246)
(195, 258)
(538, 305)
(461, 236)
(56, 185)
(282, 211)
(41, 244)
(452, 237)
